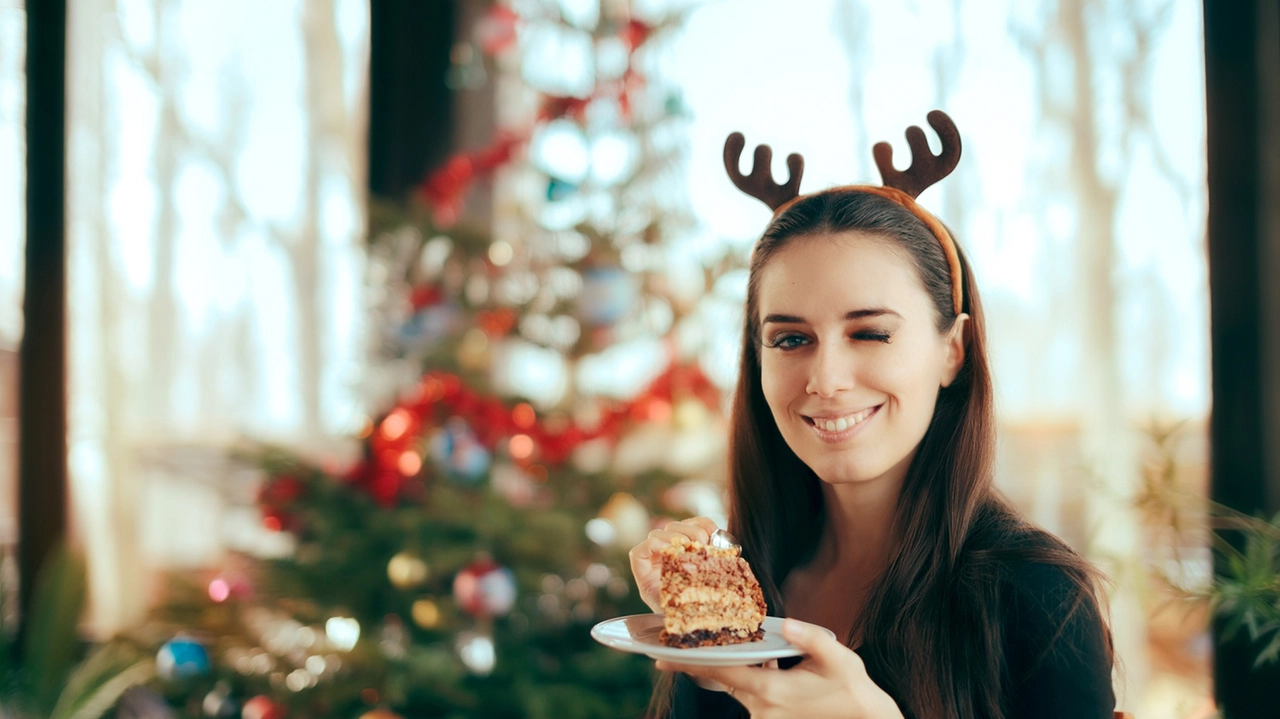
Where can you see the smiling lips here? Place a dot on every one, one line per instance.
(842, 422)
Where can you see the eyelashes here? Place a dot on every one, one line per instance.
(788, 341)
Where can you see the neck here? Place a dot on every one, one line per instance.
(859, 525)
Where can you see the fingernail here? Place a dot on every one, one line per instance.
(791, 629)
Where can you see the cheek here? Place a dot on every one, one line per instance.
(915, 386)
(783, 382)
(910, 376)
(773, 382)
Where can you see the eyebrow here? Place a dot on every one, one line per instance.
(851, 315)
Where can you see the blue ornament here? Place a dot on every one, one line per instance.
(608, 295)
(558, 189)
(459, 452)
(429, 325)
(182, 657)
(675, 107)
(498, 591)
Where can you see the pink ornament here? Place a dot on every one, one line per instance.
(219, 590)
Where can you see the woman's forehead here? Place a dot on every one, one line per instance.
(839, 272)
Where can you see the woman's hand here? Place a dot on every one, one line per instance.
(831, 682)
(643, 556)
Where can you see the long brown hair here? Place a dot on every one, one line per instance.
(932, 626)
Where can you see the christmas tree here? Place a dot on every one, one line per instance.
(544, 408)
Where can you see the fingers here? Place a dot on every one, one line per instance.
(825, 651)
(643, 564)
(705, 523)
(656, 540)
(698, 529)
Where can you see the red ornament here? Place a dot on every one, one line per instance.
(485, 589)
(262, 707)
(275, 498)
(425, 296)
(274, 520)
(496, 323)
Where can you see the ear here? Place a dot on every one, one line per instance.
(957, 341)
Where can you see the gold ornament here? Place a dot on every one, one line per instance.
(628, 516)
(380, 714)
(406, 570)
(690, 414)
(475, 352)
(425, 613)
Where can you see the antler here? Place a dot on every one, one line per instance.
(759, 184)
(926, 167)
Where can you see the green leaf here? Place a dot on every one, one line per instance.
(53, 645)
(98, 682)
(1270, 653)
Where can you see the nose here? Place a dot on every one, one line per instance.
(831, 371)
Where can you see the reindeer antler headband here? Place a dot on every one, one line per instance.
(902, 187)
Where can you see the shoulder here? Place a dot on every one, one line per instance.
(1057, 645)
(1042, 598)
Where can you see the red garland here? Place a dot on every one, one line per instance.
(445, 189)
(394, 449)
(635, 33)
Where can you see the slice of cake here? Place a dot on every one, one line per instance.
(709, 596)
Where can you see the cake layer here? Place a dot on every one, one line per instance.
(692, 618)
(710, 638)
(709, 596)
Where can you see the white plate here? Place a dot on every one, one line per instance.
(638, 634)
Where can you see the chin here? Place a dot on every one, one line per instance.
(854, 467)
(847, 475)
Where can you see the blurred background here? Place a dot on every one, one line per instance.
(391, 327)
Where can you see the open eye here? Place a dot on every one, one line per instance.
(787, 341)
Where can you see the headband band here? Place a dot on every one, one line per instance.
(902, 187)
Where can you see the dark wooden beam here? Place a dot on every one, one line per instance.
(1242, 74)
(42, 403)
(411, 120)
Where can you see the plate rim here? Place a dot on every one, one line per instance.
(738, 658)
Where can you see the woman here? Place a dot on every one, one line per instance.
(861, 480)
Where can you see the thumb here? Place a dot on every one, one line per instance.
(819, 644)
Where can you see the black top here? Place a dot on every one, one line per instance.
(1057, 670)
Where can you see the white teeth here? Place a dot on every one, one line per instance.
(840, 424)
